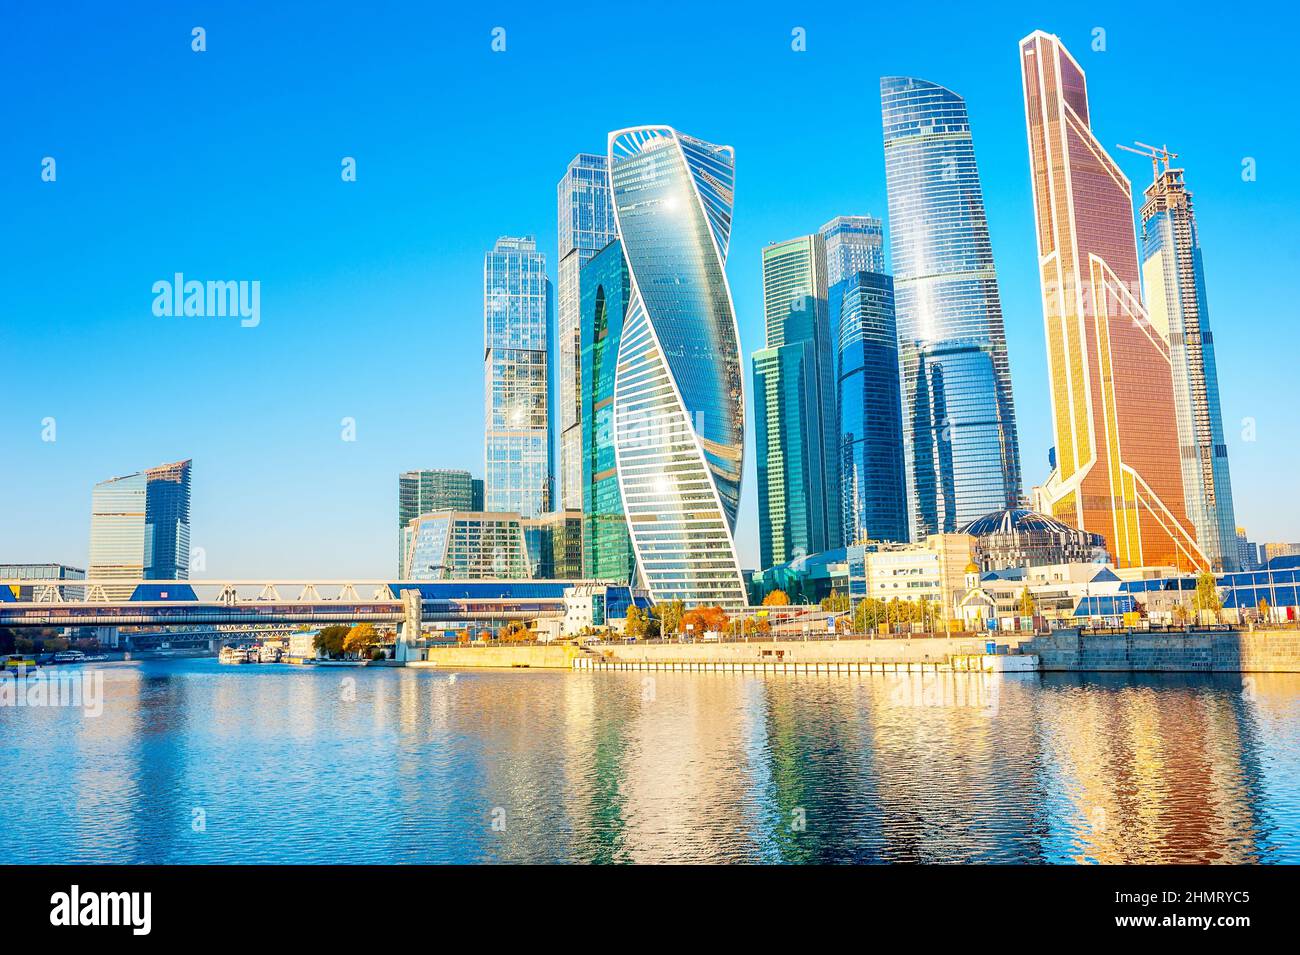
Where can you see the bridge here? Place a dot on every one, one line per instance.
(409, 604)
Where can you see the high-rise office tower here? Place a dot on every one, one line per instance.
(1117, 470)
(429, 490)
(605, 291)
(870, 442)
(679, 408)
(140, 527)
(1173, 276)
(794, 404)
(1247, 551)
(959, 425)
(853, 244)
(516, 316)
(586, 225)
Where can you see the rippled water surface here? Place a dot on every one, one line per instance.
(192, 761)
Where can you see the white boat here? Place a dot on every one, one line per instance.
(233, 655)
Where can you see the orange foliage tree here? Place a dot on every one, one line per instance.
(704, 618)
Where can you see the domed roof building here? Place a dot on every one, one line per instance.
(1018, 537)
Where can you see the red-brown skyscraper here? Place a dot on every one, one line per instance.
(1117, 467)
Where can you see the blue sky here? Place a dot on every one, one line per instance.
(226, 165)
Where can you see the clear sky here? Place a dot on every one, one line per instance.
(226, 164)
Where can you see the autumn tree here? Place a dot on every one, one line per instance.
(638, 623)
(360, 639)
(1027, 607)
(777, 598)
(702, 619)
(516, 631)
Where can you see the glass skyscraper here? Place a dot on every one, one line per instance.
(1174, 278)
(516, 316)
(959, 427)
(1117, 468)
(140, 527)
(794, 402)
(586, 225)
(429, 490)
(606, 290)
(853, 244)
(871, 423)
(679, 409)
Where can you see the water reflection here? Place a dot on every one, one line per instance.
(194, 762)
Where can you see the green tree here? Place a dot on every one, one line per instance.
(1207, 593)
(836, 602)
(669, 616)
(329, 640)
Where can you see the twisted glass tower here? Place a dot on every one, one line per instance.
(959, 424)
(678, 390)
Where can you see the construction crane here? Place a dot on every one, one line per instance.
(1156, 154)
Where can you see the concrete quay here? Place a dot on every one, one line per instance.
(1210, 651)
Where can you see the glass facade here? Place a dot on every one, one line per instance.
(791, 505)
(140, 527)
(606, 290)
(435, 489)
(961, 452)
(461, 545)
(1117, 467)
(517, 440)
(794, 402)
(167, 522)
(1174, 278)
(586, 225)
(679, 392)
(853, 244)
(871, 418)
(554, 544)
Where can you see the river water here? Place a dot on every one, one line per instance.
(192, 761)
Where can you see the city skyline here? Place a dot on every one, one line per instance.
(44, 535)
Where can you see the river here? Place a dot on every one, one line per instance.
(192, 761)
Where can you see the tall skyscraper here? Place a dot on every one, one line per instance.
(605, 291)
(871, 422)
(586, 225)
(853, 244)
(679, 409)
(516, 314)
(429, 490)
(1117, 470)
(1174, 278)
(140, 527)
(959, 424)
(794, 402)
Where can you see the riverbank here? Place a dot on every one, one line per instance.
(1219, 651)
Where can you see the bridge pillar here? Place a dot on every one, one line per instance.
(409, 629)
